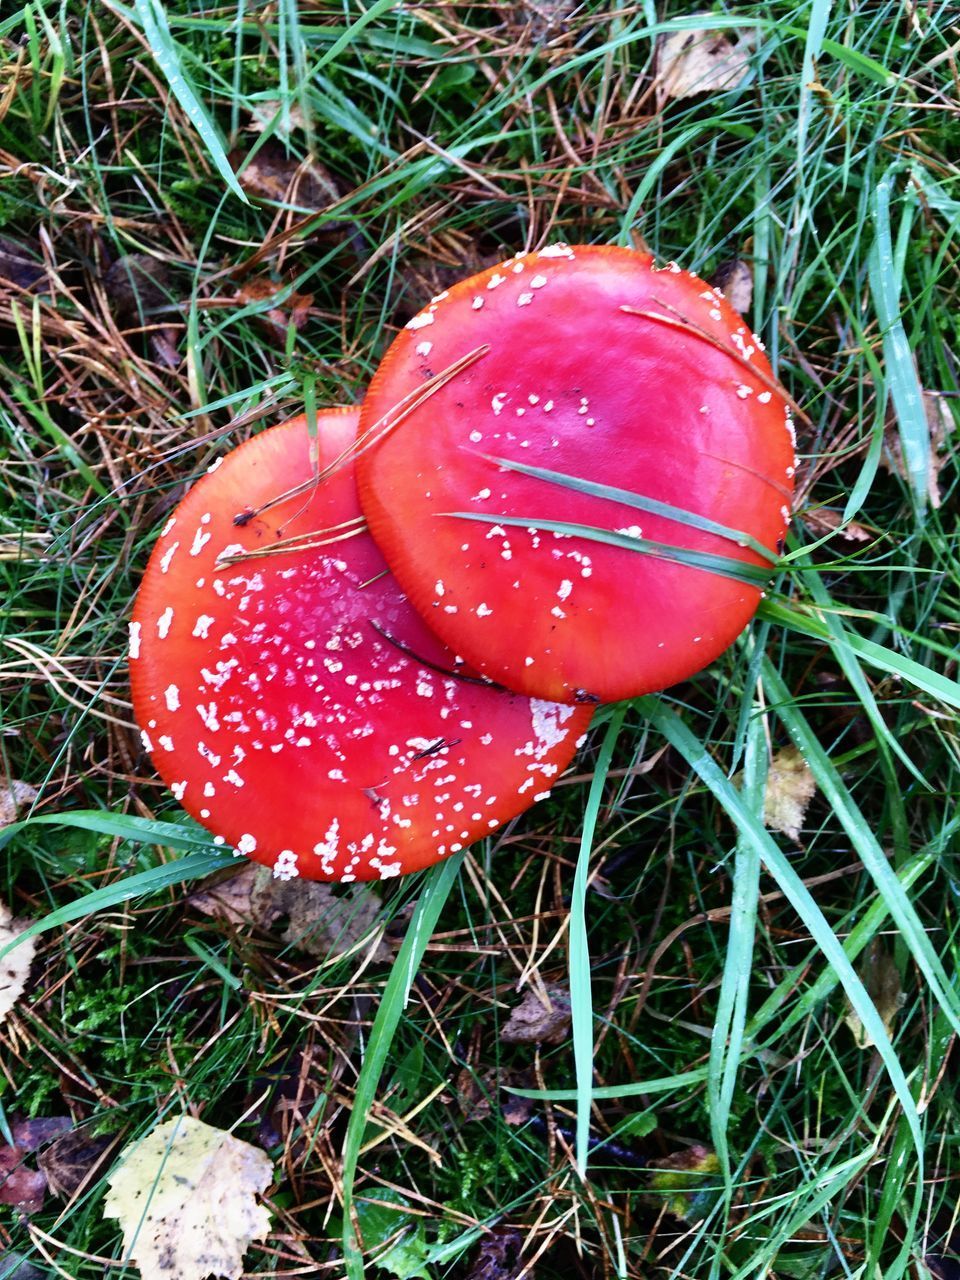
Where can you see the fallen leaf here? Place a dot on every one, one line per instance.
(689, 1182)
(185, 1198)
(691, 62)
(790, 788)
(71, 1159)
(292, 309)
(498, 1256)
(734, 279)
(324, 920)
(534, 1022)
(881, 978)
(20, 1187)
(15, 965)
(229, 899)
(16, 265)
(941, 425)
(421, 278)
(137, 286)
(479, 1093)
(274, 174)
(14, 1266)
(265, 111)
(13, 795)
(140, 291)
(822, 520)
(545, 17)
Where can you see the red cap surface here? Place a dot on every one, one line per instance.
(591, 362)
(280, 697)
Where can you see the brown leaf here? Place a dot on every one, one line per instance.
(479, 1093)
(941, 425)
(691, 62)
(274, 174)
(823, 520)
(71, 1159)
(790, 788)
(535, 1022)
(881, 978)
(324, 920)
(137, 285)
(20, 1187)
(28, 1135)
(293, 309)
(16, 265)
(228, 899)
(734, 279)
(13, 795)
(498, 1255)
(422, 278)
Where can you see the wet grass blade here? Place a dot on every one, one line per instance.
(581, 996)
(725, 566)
(627, 498)
(436, 889)
(166, 52)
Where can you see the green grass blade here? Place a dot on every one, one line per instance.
(751, 575)
(581, 996)
(166, 53)
(727, 1039)
(437, 884)
(638, 501)
(878, 655)
(796, 892)
(865, 843)
(901, 370)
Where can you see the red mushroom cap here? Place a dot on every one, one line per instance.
(590, 362)
(295, 704)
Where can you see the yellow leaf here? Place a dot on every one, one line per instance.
(15, 965)
(790, 788)
(185, 1198)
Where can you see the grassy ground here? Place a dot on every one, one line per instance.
(151, 319)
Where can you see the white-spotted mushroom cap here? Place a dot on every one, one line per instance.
(590, 362)
(296, 705)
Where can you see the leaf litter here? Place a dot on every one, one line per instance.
(539, 1019)
(321, 921)
(691, 62)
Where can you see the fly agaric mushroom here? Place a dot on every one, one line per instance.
(590, 362)
(294, 702)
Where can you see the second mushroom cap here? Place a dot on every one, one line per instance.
(591, 364)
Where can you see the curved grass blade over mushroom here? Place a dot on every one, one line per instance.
(627, 498)
(725, 567)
